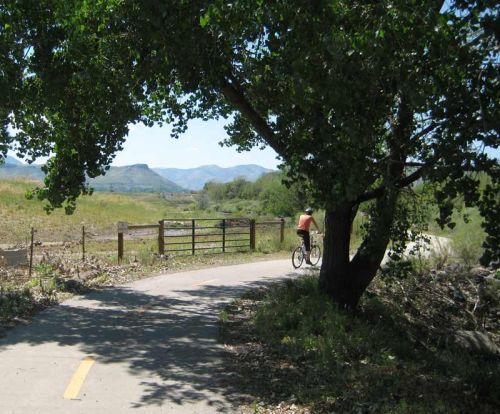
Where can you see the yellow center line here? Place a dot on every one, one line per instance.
(205, 282)
(78, 378)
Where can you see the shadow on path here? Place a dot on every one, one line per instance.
(171, 340)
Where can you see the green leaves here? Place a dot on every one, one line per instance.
(348, 93)
(204, 19)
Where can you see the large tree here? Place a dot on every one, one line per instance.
(359, 98)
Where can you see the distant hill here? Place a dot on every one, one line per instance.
(17, 169)
(141, 178)
(133, 178)
(12, 161)
(195, 178)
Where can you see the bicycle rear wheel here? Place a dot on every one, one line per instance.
(297, 257)
(315, 254)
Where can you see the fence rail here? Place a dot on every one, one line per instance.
(199, 235)
(169, 236)
(189, 236)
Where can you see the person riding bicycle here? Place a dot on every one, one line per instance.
(305, 221)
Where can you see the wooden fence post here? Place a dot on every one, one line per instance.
(193, 223)
(223, 235)
(122, 227)
(120, 247)
(282, 230)
(252, 234)
(161, 237)
(83, 243)
(31, 250)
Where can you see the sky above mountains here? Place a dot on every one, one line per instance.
(198, 146)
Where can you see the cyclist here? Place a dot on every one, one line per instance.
(305, 221)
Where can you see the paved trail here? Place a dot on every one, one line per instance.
(147, 347)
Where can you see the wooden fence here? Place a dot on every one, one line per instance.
(209, 236)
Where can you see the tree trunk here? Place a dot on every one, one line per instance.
(335, 277)
(345, 280)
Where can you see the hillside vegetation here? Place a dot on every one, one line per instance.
(266, 198)
(268, 195)
(99, 212)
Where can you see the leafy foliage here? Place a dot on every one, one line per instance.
(359, 99)
(277, 198)
(490, 209)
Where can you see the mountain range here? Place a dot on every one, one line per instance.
(14, 168)
(141, 178)
(195, 178)
(137, 178)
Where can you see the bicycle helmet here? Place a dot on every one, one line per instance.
(309, 210)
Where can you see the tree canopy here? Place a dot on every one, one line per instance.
(359, 98)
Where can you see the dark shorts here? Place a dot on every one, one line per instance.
(306, 237)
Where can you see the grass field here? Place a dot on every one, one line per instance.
(101, 212)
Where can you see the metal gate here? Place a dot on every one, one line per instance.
(188, 236)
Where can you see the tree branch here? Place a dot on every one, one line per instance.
(424, 131)
(405, 181)
(233, 93)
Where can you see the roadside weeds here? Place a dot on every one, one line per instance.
(292, 351)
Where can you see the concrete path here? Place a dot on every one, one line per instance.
(147, 347)
(435, 245)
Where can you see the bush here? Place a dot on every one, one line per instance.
(15, 302)
(467, 243)
(378, 356)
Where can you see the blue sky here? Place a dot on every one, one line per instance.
(198, 146)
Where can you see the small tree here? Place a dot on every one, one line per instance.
(280, 199)
(359, 98)
(202, 201)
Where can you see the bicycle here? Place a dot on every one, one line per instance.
(299, 253)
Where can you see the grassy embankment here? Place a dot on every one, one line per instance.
(59, 269)
(395, 355)
(100, 212)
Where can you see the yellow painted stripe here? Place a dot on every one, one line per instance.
(205, 282)
(78, 378)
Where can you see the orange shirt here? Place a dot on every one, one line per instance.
(305, 222)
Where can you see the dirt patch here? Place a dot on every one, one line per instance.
(266, 376)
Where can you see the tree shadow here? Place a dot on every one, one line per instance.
(371, 362)
(172, 339)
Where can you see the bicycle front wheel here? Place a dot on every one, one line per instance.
(297, 257)
(315, 254)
